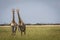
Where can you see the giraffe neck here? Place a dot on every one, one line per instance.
(13, 18)
(20, 22)
(19, 19)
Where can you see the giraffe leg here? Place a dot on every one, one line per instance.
(13, 33)
(21, 33)
(15, 29)
(12, 29)
(19, 29)
(24, 32)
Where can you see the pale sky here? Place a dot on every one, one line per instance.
(31, 11)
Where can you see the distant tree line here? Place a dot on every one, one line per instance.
(4, 24)
(45, 24)
(34, 24)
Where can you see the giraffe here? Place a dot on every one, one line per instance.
(21, 25)
(13, 23)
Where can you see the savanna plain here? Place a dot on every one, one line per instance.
(33, 32)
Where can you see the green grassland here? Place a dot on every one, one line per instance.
(33, 32)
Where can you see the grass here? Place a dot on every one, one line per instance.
(32, 33)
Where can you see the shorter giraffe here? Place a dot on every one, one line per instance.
(13, 23)
(21, 25)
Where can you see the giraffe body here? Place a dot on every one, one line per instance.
(21, 25)
(13, 23)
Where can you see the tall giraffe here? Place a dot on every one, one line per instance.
(13, 23)
(21, 25)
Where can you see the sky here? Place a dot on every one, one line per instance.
(31, 11)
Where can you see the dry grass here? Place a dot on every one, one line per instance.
(33, 32)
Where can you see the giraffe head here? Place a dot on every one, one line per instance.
(17, 10)
(13, 11)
